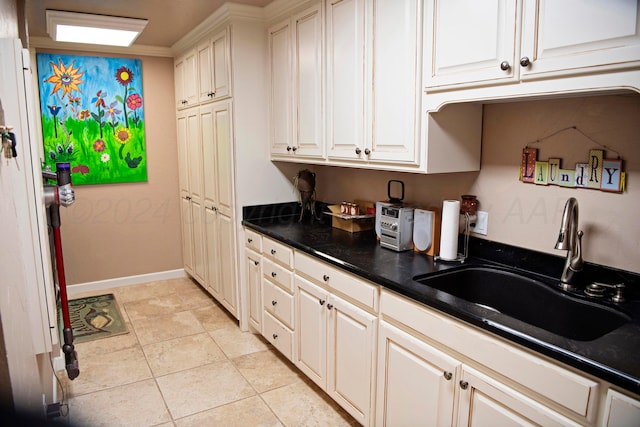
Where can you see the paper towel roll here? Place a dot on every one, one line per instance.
(449, 230)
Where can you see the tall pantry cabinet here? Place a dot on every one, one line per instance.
(222, 145)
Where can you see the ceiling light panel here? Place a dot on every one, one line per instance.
(93, 29)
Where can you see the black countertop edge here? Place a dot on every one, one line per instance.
(318, 239)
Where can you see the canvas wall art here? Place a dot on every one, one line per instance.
(92, 111)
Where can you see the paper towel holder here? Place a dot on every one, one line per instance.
(462, 257)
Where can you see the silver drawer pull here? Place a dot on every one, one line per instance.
(274, 302)
(275, 336)
(321, 301)
(273, 274)
(464, 385)
(325, 278)
(447, 375)
(273, 251)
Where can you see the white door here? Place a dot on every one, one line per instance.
(205, 74)
(575, 36)
(253, 267)
(416, 382)
(350, 355)
(345, 117)
(311, 331)
(396, 81)
(279, 40)
(227, 264)
(308, 80)
(178, 74)
(221, 64)
(486, 402)
(212, 282)
(468, 41)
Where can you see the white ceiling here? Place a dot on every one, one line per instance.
(169, 20)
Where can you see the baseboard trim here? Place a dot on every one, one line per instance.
(124, 281)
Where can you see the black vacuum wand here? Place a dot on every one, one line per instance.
(54, 196)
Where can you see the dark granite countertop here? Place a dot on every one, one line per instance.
(613, 357)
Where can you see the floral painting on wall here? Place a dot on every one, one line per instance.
(93, 117)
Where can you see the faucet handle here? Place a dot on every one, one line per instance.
(619, 293)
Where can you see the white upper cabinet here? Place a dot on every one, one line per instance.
(296, 77)
(396, 81)
(492, 42)
(214, 67)
(374, 72)
(186, 77)
(345, 78)
(470, 41)
(279, 41)
(574, 36)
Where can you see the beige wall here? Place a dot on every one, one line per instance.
(121, 230)
(525, 214)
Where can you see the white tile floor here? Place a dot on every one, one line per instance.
(185, 362)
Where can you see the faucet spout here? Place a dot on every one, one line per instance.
(570, 239)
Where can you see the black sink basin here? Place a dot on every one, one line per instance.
(528, 300)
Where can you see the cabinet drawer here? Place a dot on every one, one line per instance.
(344, 283)
(278, 335)
(253, 240)
(277, 302)
(277, 251)
(278, 274)
(562, 386)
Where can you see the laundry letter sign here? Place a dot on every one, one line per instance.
(596, 173)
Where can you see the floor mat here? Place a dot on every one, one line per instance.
(95, 317)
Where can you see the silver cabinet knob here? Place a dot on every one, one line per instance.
(275, 336)
(294, 149)
(367, 151)
(288, 148)
(249, 240)
(325, 278)
(504, 65)
(255, 263)
(274, 302)
(464, 385)
(273, 274)
(321, 301)
(329, 306)
(447, 375)
(524, 61)
(273, 251)
(358, 151)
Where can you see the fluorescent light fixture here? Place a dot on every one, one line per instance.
(93, 29)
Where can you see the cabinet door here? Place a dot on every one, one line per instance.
(221, 65)
(227, 265)
(205, 72)
(279, 39)
(396, 81)
(311, 331)
(253, 265)
(575, 36)
(187, 234)
(186, 79)
(183, 153)
(224, 158)
(621, 410)
(307, 90)
(416, 382)
(470, 40)
(350, 353)
(486, 402)
(345, 78)
(197, 217)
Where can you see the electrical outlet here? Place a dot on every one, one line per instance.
(481, 223)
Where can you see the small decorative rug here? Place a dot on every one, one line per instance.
(95, 317)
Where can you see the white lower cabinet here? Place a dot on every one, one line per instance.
(336, 347)
(253, 266)
(621, 410)
(416, 382)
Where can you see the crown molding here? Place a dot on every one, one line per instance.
(137, 50)
(280, 9)
(222, 16)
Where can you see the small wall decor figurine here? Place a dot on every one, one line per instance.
(305, 183)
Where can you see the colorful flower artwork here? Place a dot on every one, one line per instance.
(93, 117)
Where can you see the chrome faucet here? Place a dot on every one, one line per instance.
(570, 240)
